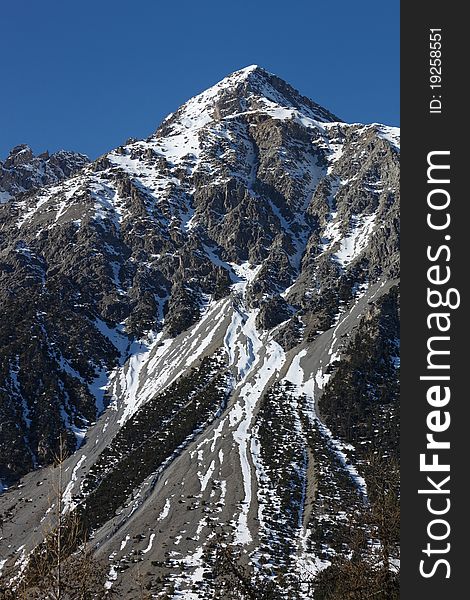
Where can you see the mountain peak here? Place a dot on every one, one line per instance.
(19, 155)
(247, 73)
(187, 298)
(248, 90)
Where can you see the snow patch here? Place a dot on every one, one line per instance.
(165, 510)
(67, 495)
(149, 546)
(354, 243)
(391, 134)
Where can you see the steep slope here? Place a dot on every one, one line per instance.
(201, 285)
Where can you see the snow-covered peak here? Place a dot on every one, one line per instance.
(247, 90)
(245, 72)
(254, 75)
(208, 121)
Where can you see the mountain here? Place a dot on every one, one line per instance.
(209, 319)
(23, 173)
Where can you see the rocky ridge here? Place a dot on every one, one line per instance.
(22, 172)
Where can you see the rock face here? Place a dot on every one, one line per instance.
(23, 172)
(243, 239)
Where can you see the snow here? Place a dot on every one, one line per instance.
(251, 393)
(165, 511)
(306, 385)
(223, 491)
(339, 448)
(194, 126)
(130, 379)
(124, 542)
(295, 373)
(357, 240)
(336, 152)
(299, 241)
(67, 495)
(148, 365)
(188, 219)
(347, 248)
(192, 567)
(108, 207)
(391, 134)
(183, 141)
(308, 565)
(20, 563)
(112, 576)
(155, 363)
(217, 434)
(258, 357)
(235, 414)
(331, 233)
(98, 389)
(115, 335)
(321, 379)
(26, 214)
(204, 479)
(79, 432)
(239, 343)
(278, 112)
(67, 368)
(202, 339)
(149, 546)
(266, 494)
(71, 188)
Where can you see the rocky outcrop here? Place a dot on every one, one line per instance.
(23, 172)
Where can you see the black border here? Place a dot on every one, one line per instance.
(422, 132)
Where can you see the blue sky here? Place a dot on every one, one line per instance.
(86, 75)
